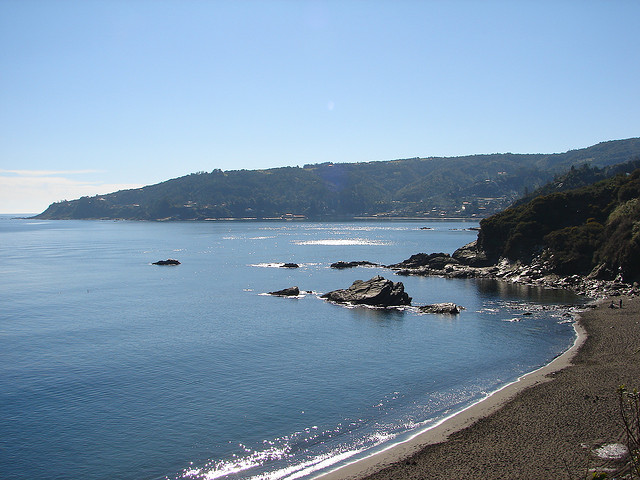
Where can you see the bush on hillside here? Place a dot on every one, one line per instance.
(576, 229)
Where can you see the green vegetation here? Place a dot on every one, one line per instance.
(471, 186)
(580, 177)
(574, 230)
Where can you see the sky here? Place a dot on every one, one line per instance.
(102, 95)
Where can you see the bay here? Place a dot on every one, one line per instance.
(111, 367)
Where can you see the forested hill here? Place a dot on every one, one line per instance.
(469, 186)
(593, 230)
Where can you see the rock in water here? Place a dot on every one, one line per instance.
(449, 308)
(287, 292)
(290, 265)
(362, 263)
(169, 261)
(435, 261)
(377, 291)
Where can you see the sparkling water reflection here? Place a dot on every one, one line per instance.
(111, 367)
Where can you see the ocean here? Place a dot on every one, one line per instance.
(114, 368)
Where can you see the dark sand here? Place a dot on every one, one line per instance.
(544, 427)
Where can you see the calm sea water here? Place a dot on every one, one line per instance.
(111, 367)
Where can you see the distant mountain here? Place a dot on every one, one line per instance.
(470, 186)
(592, 229)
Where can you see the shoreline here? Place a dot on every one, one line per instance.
(548, 424)
(456, 422)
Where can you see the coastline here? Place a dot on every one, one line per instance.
(542, 424)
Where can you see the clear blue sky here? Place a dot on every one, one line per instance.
(96, 96)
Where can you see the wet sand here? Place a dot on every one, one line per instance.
(544, 426)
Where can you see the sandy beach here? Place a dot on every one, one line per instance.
(546, 425)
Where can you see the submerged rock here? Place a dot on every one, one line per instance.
(377, 291)
(169, 261)
(448, 308)
(287, 292)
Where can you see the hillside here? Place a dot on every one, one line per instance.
(469, 186)
(592, 229)
(580, 177)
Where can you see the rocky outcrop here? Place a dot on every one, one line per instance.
(290, 265)
(539, 273)
(435, 261)
(169, 261)
(602, 272)
(447, 308)
(470, 255)
(377, 291)
(466, 256)
(287, 292)
(362, 263)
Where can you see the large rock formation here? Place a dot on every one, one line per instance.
(435, 261)
(378, 291)
(470, 255)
